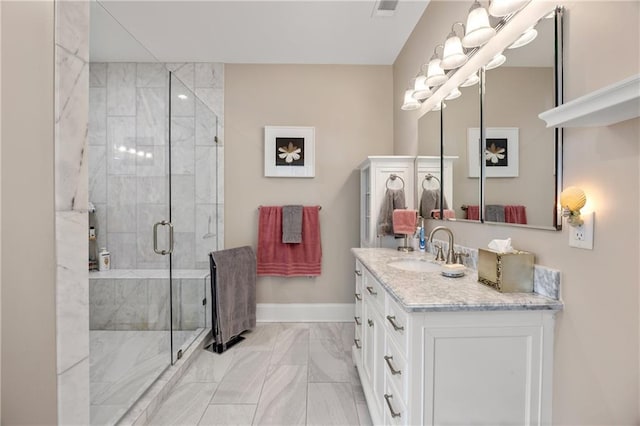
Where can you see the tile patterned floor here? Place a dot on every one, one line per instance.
(122, 366)
(282, 374)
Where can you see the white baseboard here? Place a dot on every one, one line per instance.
(305, 312)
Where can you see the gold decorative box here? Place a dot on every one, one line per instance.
(506, 272)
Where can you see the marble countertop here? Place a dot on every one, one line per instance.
(430, 291)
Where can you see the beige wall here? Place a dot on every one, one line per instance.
(28, 273)
(596, 354)
(350, 108)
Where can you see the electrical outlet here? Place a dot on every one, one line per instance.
(582, 236)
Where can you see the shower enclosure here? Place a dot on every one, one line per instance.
(154, 186)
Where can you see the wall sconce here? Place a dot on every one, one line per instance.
(420, 89)
(527, 37)
(455, 94)
(478, 29)
(471, 80)
(410, 103)
(435, 73)
(495, 62)
(572, 199)
(453, 55)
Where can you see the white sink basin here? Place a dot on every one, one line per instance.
(415, 265)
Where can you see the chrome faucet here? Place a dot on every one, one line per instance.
(450, 253)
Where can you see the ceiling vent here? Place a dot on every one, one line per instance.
(385, 8)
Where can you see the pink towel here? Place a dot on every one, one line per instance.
(447, 213)
(276, 258)
(515, 214)
(404, 221)
(473, 213)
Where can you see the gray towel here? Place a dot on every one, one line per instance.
(393, 199)
(292, 224)
(494, 213)
(234, 292)
(430, 200)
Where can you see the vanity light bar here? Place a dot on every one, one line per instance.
(476, 32)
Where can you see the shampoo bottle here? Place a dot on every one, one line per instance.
(104, 260)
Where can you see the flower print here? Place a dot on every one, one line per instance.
(494, 154)
(290, 153)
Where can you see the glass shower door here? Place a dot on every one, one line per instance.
(193, 199)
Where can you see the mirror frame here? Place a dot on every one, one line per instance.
(558, 90)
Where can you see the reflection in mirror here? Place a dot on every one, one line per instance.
(520, 184)
(428, 175)
(461, 115)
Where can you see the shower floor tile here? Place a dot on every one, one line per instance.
(123, 364)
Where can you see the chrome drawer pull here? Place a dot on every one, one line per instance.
(357, 342)
(358, 296)
(370, 323)
(393, 370)
(358, 322)
(358, 273)
(370, 290)
(393, 413)
(392, 320)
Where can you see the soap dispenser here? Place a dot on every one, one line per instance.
(423, 242)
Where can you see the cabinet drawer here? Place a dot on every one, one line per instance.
(395, 408)
(395, 366)
(372, 290)
(397, 323)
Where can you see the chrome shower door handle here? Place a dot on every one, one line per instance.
(155, 237)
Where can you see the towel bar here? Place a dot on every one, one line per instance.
(319, 207)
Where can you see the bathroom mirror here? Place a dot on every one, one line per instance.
(522, 158)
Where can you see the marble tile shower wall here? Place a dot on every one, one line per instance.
(143, 304)
(128, 160)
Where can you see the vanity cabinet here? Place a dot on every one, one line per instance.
(449, 366)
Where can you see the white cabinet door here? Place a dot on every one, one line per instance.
(481, 375)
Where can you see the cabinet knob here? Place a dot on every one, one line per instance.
(371, 292)
(370, 323)
(358, 273)
(357, 343)
(358, 322)
(358, 296)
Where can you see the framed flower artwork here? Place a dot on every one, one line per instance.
(289, 151)
(500, 152)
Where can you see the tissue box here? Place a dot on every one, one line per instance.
(506, 272)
